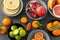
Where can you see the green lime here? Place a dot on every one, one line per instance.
(11, 34)
(17, 37)
(16, 32)
(20, 28)
(22, 33)
(13, 27)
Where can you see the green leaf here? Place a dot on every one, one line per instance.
(40, 25)
(55, 27)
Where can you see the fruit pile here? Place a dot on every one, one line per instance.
(38, 36)
(11, 7)
(36, 10)
(54, 27)
(16, 32)
(54, 5)
(5, 23)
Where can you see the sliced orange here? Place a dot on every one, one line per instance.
(28, 27)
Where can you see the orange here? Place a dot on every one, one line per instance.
(56, 32)
(58, 1)
(6, 21)
(51, 3)
(34, 24)
(38, 36)
(3, 30)
(24, 20)
(28, 27)
(49, 26)
(55, 23)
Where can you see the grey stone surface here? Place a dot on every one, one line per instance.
(17, 20)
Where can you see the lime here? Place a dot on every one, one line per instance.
(22, 33)
(16, 32)
(11, 34)
(17, 37)
(20, 28)
(13, 27)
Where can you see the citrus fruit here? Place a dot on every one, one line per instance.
(24, 20)
(11, 34)
(56, 11)
(14, 27)
(20, 28)
(38, 35)
(16, 32)
(11, 4)
(55, 23)
(49, 26)
(28, 27)
(34, 24)
(51, 3)
(22, 33)
(34, 39)
(6, 21)
(56, 32)
(17, 37)
(3, 30)
(11, 12)
(58, 1)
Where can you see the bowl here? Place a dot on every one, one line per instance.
(40, 2)
(52, 22)
(17, 24)
(20, 9)
(30, 36)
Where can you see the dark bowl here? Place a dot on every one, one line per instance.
(17, 24)
(52, 22)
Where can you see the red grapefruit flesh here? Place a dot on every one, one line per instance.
(56, 11)
(38, 36)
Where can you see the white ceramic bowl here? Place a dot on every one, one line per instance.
(21, 7)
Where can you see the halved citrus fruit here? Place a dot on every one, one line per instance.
(38, 35)
(56, 11)
(51, 3)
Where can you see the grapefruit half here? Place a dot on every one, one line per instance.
(56, 11)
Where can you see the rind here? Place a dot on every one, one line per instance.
(54, 12)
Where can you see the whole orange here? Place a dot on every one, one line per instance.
(24, 20)
(6, 21)
(34, 24)
(55, 23)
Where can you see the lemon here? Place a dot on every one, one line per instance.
(58, 1)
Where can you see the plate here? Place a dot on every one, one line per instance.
(31, 35)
